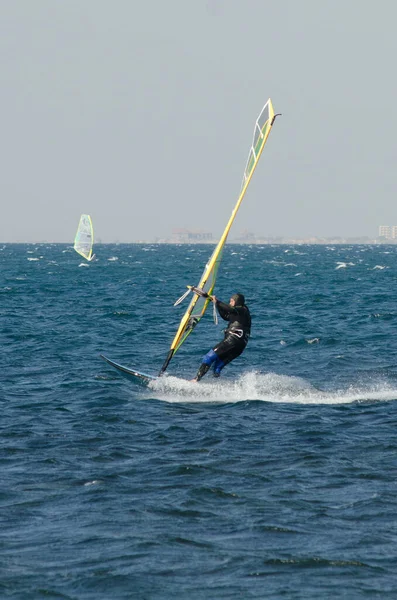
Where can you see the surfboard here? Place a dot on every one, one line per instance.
(131, 374)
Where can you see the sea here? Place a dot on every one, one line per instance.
(278, 480)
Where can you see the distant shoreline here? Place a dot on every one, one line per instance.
(259, 242)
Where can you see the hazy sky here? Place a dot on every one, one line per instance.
(141, 114)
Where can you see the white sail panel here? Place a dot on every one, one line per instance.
(84, 239)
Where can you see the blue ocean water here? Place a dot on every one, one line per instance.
(277, 481)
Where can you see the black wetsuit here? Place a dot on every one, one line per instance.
(236, 333)
(236, 338)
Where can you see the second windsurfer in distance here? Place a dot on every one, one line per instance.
(236, 335)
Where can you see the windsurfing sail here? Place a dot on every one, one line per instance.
(84, 239)
(200, 300)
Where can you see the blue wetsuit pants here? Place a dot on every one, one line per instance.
(222, 354)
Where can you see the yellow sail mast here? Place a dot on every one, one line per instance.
(198, 304)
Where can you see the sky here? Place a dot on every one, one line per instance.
(141, 114)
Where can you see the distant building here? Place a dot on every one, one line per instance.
(186, 236)
(246, 236)
(388, 232)
(385, 231)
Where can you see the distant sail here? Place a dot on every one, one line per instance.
(84, 239)
(203, 291)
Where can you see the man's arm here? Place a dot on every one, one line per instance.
(225, 310)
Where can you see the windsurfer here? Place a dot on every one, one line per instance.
(236, 335)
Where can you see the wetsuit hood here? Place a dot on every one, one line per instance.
(239, 299)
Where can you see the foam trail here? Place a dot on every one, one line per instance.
(264, 387)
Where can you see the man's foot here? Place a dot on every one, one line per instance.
(195, 380)
(202, 371)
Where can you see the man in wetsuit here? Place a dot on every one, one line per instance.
(236, 335)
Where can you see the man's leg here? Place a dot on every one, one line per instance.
(218, 366)
(208, 359)
(226, 351)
